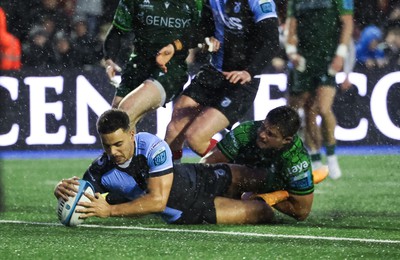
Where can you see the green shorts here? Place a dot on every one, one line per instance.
(309, 80)
(138, 69)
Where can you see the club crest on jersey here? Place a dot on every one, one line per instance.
(146, 5)
(160, 157)
(266, 6)
(100, 162)
(236, 9)
(226, 102)
(166, 4)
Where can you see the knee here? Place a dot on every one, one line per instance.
(195, 140)
(191, 137)
(325, 111)
(174, 128)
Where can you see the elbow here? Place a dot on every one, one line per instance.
(159, 204)
(301, 216)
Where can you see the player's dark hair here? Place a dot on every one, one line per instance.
(112, 120)
(286, 118)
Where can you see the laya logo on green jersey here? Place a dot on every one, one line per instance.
(298, 167)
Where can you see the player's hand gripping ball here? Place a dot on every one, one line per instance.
(66, 209)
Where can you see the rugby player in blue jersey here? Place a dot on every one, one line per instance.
(224, 90)
(137, 173)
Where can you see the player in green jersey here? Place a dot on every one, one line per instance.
(273, 144)
(318, 36)
(156, 72)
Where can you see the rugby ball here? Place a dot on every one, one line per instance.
(66, 209)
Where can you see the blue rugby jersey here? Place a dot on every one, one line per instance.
(152, 158)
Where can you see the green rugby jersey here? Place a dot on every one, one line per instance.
(288, 169)
(157, 23)
(318, 27)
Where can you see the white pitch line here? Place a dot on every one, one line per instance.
(364, 240)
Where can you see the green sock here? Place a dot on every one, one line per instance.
(316, 157)
(330, 149)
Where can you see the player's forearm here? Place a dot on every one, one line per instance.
(291, 31)
(112, 43)
(144, 205)
(297, 209)
(347, 29)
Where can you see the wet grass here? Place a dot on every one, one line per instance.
(356, 217)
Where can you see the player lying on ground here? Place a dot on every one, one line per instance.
(137, 172)
(273, 145)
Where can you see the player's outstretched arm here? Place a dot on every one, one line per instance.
(296, 206)
(154, 201)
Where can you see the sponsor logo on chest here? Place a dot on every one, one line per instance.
(298, 167)
(169, 22)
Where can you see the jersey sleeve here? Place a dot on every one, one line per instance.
(157, 152)
(227, 146)
(160, 159)
(234, 141)
(263, 9)
(297, 165)
(95, 171)
(123, 15)
(345, 6)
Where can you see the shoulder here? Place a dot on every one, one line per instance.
(263, 9)
(156, 150)
(101, 162)
(247, 127)
(146, 142)
(296, 158)
(98, 167)
(241, 135)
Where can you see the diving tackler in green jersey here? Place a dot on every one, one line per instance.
(289, 169)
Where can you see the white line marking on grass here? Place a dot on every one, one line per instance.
(364, 240)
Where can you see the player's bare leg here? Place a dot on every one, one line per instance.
(200, 132)
(312, 137)
(311, 132)
(232, 211)
(244, 179)
(185, 110)
(147, 97)
(325, 98)
(115, 102)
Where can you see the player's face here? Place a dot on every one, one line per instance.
(269, 137)
(119, 145)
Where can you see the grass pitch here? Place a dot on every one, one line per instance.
(355, 217)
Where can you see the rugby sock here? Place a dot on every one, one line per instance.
(272, 198)
(320, 174)
(316, 161)
(330, 149)
(212, 144)
(315, 156)
(177, 155)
